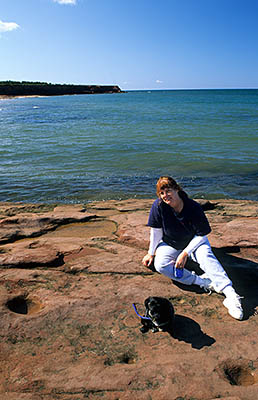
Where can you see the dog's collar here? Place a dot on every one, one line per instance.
(135, 309)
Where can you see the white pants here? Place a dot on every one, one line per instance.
(165, 260)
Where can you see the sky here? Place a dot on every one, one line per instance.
(136, 44)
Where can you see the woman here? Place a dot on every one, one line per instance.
(178, 231)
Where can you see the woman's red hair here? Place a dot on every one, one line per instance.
(166, 182)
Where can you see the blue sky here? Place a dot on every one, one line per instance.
(136, 44)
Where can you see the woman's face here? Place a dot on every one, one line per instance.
(170, 197)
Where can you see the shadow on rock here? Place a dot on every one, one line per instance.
(242, 272)
(189, 331)
(244, 275)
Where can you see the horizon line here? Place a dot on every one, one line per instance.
(222, 88)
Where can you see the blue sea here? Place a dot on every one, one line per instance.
(77, 149)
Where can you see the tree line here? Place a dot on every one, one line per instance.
(25, 88)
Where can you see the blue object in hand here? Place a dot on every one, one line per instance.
(179, 272)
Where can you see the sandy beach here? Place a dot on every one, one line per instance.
(70, 274)
(3, 97)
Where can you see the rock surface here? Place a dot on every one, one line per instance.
(69, 276)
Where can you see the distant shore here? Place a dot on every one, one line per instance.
(7, 97)
(12, 89)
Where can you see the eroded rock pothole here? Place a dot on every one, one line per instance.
(239, 373)
(84, 230)
(128, 357)
(24, 305)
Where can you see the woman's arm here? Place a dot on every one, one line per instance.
(194, 244)
(190, 248)
(155, 237)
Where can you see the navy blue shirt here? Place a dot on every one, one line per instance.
(179, 228)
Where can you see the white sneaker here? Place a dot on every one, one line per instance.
(233, 304)
(212, 288)
(207, 285)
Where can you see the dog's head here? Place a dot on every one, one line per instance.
(160, 311)
(154, 310)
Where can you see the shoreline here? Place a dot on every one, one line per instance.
(133, 199)
(8, 97)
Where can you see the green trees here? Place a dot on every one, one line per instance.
(24, 88)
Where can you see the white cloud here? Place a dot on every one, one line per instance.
(158, 81)
(8, 26)
(66, 1)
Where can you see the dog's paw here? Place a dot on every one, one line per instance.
(144, 329)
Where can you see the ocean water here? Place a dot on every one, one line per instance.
(76, 149)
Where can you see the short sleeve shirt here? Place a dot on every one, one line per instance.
(179, 228)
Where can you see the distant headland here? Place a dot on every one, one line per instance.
(24, 88)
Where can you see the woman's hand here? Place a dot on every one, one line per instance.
(181, 259)
(147, 260)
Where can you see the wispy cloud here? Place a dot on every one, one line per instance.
(158, 81)
(8, 26)
(66, 1)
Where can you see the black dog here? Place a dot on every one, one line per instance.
(160, 314)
